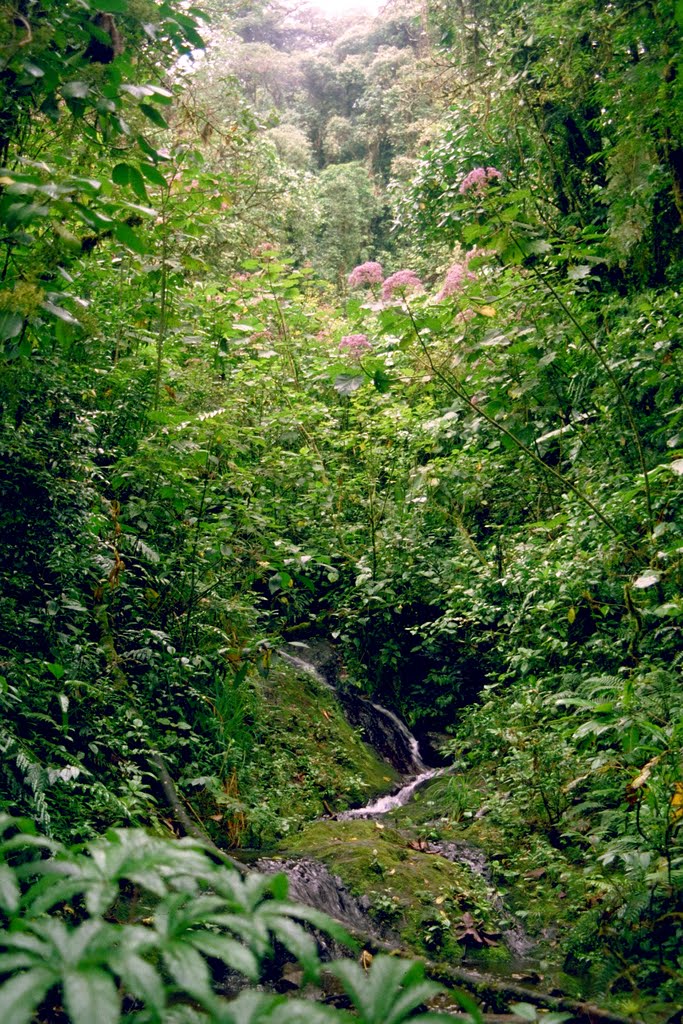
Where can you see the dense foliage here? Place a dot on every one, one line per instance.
(463, 462)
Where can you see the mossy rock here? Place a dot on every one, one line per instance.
(309, 761)
(415, 895)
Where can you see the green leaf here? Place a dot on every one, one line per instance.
(381, 381)
(142, 979)
(126, 174)
(154, 175)
(10, 325)
(299, 942)
(9, 889)
(304, 1011)
(111, 6)
(525, 1010)
(120, 174)
(23, 213)
(188, 969)
(577, 273)
(75, 90)
(678, 13)
(153, 115)
(90, 995)
(347, 383)
(137, 183)
(60, 312)
(21, 995)
(247, 1008)
(161, 95)
(128, 237)
(232, 953)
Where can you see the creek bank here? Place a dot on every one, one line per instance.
(422, 876)
(380, 727)
(308, 762)
(434, 901)
(435, 897)
(446, 874)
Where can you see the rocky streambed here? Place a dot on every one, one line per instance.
(412, 871)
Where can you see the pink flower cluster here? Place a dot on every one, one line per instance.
(455, 280)
(402, 283)
(459, 273)
(366, 274)
(355, 345)
(478, 179)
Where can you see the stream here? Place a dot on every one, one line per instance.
(310, 881)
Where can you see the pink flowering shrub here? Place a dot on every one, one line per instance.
(459, 273)
(477, 180)
(355, 345)
(456, 277)
(401, 283)
(366, 274)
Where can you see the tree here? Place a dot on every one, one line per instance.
(348, 206)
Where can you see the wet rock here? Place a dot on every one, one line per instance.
(311, 883)
(384, 731)
(513, 935)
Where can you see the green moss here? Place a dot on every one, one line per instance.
(309, 761)
(422, 896)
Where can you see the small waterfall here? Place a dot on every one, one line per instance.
(402, 728)
(305, 666)
(389, 803)
(381, 728)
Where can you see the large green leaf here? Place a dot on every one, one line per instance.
(347, 383)
(90, 995)
(154, 175)
(75, 90)
(153, 115)
(187, 969)
(120, 174)
(9, 889)
(232, 953)
(129, 238)
(22, 994)
(141, 978)
(10, 325)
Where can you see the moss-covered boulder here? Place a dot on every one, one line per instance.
(308, 761)
(429, 903)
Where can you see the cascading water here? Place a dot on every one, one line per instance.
(382, 728)
(310, 881)
(389, 803)
(403, 730)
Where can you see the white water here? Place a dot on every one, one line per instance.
(385, 803)
(305, 666)
(401, 727)
(388, 803)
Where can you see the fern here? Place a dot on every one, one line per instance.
(35, 778)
